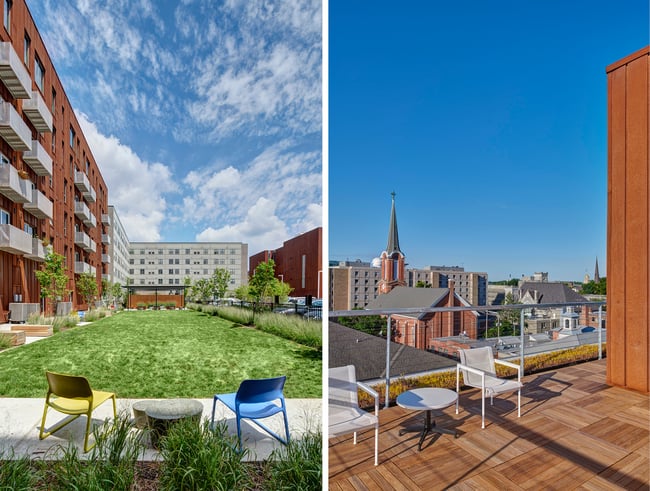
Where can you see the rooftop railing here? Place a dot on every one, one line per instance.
(525, 339)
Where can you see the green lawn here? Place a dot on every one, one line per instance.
(162, 354)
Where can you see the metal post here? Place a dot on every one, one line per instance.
(388, 336)
(600, 332)
(521, 329)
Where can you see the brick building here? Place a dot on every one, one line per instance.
(51, 189)
(298, 262)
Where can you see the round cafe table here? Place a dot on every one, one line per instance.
(427, 399)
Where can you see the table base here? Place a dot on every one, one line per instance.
(429, 427)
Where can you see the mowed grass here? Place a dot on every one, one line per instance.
(162, 354)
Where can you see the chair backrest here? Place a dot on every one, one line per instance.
(69, 386)
(261, 390)
(479, 358)
(343, 386)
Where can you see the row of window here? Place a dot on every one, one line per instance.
(187, 252)
(171, 281)
(176, 271)
(232, 262)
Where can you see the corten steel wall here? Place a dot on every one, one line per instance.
(628, 230)
(289, 263)
(17, 272)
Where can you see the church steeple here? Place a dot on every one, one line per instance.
(596, 274)
(393, 236)
(392, 259)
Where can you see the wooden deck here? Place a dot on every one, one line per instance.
(575, 432)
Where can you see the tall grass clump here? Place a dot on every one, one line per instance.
(16, 474)
(111, 464)
(293, 327)
(196, 458)
(297, 466)
(234, 314)
(5, 341)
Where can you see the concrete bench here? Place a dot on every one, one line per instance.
(34, 330)
(17, 337)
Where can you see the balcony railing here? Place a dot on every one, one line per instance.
(38, 250)
(83, 240)
(81, 267)
(40, 206)
(106, 219)
(90, 195)
(82, 182)
(13, 186)
(13, 72)
(106, 259)
(38, 112)
(13, 129)
(14, 240)
(38, 159)
(82, 211)
(106, 239)
(515, 348)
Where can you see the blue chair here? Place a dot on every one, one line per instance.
(256, 399)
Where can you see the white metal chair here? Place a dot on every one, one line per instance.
(478, 368)
(345, 416)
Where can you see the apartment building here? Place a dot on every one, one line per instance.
(52, 192)
(167, 264)
(353, 284)
(118, 247)
(472, 286)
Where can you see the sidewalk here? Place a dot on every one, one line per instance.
(20, 420)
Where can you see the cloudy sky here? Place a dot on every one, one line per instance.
(204, 116)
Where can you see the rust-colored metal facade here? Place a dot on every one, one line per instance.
(628, 217)
(70, 189)
(298, 262)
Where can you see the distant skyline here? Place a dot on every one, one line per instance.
(204, 116)
(489, 122)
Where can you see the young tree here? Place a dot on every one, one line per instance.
(52, 278)
(260, 285)
(220, 281)
(87, 288)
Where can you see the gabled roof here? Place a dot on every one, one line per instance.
(368, 354)
(404, 297)
(551, 292)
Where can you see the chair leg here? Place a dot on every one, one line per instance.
(286, 425)
(483, 410)
(241, 446)
(519, 403)
(377, 445)
(64, 422)
(355, 438)
(214, 405)
(89, 420)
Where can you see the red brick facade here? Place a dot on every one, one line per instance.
(74, 177)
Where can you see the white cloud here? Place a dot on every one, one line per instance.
(136, 188)
(261, 229)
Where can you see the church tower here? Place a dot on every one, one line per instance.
(596, 273)
(392, 259)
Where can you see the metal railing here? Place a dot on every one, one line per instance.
(488, 309)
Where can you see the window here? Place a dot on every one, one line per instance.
(142, 271)
(171, 271)
(53, 106)
(39, 73)
(5, 218)
(8, 5)
(26, 46)
(53, 139)
(72, 137)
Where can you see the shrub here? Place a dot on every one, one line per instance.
(293, 327)
(111, 464)
(196, 457)
(234, 314)
(16, 474)
(5, 341)
(297, 466)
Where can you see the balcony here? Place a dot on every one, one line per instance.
(106, 259)
(13, 72)
(13, 129)
(40, 206)
(82, 182)
(38, 113)
(82, 211)
(106, 239)
(13, 186)
(14, 241)
(81, 267)
(83, 240)
(90, 195)
(106, 219)
(38, 250)
(574, 432)
(38, 159)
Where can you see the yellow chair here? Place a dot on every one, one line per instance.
(72, 395)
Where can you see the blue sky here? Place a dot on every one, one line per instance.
(205, 117)
(487, 119)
